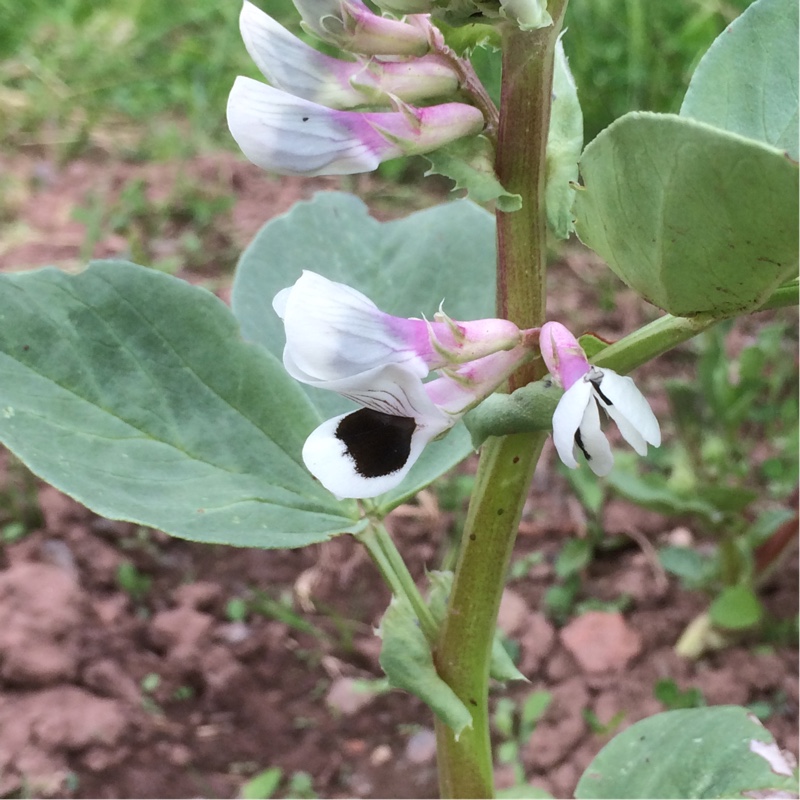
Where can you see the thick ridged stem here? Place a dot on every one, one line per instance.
(507, 463)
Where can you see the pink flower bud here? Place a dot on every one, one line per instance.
(351, 26)
(563, 354)
(288, 63)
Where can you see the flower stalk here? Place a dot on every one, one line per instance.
(390, 564)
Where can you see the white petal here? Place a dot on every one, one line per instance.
(290, 64)
(334, 332)
(593, 442)
(567, 417)
(280, 300)
(394, 390)
(630, 410)
(368, 456)
(285, 134)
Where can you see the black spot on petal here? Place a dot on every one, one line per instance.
(602, 396)
(579, 442)
(378, 443)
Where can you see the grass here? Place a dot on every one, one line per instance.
(147, 80)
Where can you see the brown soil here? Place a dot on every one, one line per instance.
(149, 689)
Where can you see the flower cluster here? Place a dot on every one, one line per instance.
(337, 339)
(302, 123)
(576, 421)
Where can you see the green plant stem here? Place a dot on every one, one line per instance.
(651, 341)
(394, 571)
(507, 464)
(462, 659)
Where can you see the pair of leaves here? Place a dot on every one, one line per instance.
(698, 211)
(134, 392)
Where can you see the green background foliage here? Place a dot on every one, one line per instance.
(68, 82)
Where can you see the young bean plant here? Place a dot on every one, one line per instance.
(337, 386)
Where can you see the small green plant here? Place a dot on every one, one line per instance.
(183, 692)
(133, 582)
(19, 503)
(671, 696)
(264, 785)
(602, 728)
(515, 723)
(188, 228)
(149, 685)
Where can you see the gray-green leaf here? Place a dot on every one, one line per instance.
(694, 218)
(747, 82)
(133, 392)
(690, 753)
(564, 145)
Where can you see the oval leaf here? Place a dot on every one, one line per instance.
(693, 218)
(407, 267)
(133, 392)
(747, 82)
(737, 607)
(689, 753)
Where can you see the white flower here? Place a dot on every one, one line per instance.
(335, 333)
(301, 125)
(368, 452)
(286, 134)
(338, 339)
(576, 421)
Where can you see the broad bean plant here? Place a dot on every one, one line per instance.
(338, 385)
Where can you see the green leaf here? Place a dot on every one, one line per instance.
(651, 491)
(574, 556)
(262, 786)
(469, 163)
(689, 753)
(533, 708)
(735, 608)
(133, 392)
(689, 565)
(747, 82)
(564, 145)
(407, 661)
(406, 267)
(664, 203)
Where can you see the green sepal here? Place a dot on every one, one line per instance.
(469, 162)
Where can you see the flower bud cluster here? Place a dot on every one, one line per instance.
(322, 115)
